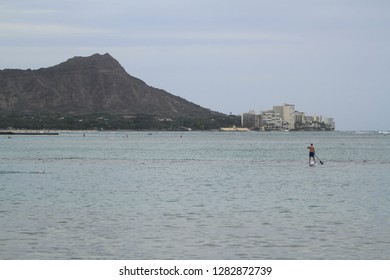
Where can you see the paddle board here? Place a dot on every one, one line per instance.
(312, 163)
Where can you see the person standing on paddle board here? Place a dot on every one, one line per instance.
(312, 152)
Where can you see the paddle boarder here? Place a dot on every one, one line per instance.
(312, 152)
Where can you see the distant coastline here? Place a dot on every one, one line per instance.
(27, 132)
(53, 132)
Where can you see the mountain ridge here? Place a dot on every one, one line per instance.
(89, 85)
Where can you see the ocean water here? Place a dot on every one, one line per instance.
(195, 195)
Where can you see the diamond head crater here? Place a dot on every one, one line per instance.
(96, 92)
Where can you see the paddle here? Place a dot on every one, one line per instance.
(319, 159)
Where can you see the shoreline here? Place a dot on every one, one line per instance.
(28, 133)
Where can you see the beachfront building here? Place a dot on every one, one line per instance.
(286, 111)
(248, 119)
(285, 117)
(270, 120)
(316, 122)
(300, 120)
(329, 123)
(299, 117)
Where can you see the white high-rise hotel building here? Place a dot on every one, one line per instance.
(287, 113)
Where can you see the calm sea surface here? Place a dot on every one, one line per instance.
(195, 195)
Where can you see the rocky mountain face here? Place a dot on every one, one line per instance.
(87, 85)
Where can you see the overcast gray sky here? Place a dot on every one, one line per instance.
(328, 57)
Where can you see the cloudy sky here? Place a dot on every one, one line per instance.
(328, 57)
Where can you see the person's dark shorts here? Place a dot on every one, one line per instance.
(311, 154)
